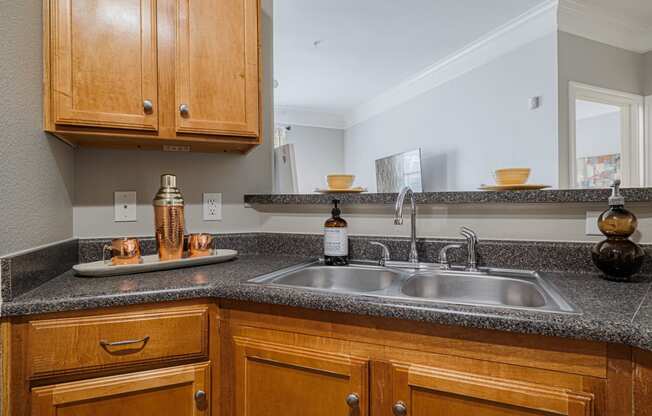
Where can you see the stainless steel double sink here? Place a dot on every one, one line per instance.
(487, 287)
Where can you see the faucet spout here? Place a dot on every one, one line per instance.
(398, 220)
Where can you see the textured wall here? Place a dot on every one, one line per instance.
(36, 171)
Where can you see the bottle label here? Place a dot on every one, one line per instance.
(336, 242)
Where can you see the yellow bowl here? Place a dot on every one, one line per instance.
(340, 181)
(512, 176)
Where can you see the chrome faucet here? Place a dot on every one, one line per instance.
(398, 220)
(385, 256)
(471, 248)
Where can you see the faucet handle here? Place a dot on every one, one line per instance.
(385, 256)
(443, 255)
(469, 233)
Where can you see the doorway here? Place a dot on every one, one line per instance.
(606, 137)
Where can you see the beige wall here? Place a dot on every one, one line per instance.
(36, 171)
(590, 62)
(101, 172)
(546, 222)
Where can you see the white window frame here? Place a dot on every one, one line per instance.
(633, 144)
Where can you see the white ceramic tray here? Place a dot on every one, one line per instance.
(150, 264)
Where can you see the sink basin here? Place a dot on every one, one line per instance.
(468, 288)
(426, 283)
(340, 279)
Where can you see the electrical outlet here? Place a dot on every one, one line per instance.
(124, 206)
(212, 207)
(592, 223)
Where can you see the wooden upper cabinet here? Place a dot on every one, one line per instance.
(178, 391)
(217, 68)
(104, 64)
(275, 379)
(151, 73)
(420, 391)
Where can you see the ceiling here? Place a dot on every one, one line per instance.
(364, 47)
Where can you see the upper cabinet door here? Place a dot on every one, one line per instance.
(104, 71)
(217, 71)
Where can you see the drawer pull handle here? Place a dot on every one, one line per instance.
(122, 343)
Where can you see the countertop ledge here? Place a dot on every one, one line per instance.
(610, 312)
(546, 196)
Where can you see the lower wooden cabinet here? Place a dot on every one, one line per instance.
(176, 391)
(297, 379)
(275, 379)
(419, 390)
(259, 360)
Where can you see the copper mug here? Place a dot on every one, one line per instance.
(200, 245)
(123, 251)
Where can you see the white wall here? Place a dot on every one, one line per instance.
(100, 172)
(36, 170)
(471, 125)
(318, 152)
(590, 62)
(599, 135)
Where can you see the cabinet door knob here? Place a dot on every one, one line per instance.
(399, 408)
(184, 109)
(353, 400)
(200, 395)
(148, 106)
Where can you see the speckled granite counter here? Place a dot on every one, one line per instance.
(612, 312)
(547, 196)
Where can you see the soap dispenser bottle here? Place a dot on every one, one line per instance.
(336, 239)
(617, 257)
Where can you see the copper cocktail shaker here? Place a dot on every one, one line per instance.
(168, 216)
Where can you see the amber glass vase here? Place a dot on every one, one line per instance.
(618, 257)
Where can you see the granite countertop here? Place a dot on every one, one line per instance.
(611, 312)
(555, 196)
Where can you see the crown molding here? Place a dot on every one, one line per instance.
(588, 21)
(300, 116)
(529, 26)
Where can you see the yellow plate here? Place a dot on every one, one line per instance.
(357, 190)
(521, 187)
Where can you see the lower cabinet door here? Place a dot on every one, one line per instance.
(275, 379)
(425, 391)
(177, 391)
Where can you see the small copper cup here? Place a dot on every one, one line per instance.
(123, 251)
(200, 245)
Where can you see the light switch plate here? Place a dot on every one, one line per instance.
(592, 223)
(212, 207)
(124, 206)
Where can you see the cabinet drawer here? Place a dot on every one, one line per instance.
(92, 343)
